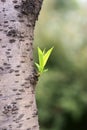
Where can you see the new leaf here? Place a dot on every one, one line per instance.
(43, 58)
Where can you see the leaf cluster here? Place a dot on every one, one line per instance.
(43, 58)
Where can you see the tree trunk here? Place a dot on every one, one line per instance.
(17, 76)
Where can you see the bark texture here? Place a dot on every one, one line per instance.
(18, 109)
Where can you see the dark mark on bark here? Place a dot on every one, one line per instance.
(10, 27)
(14, 89)
(18, 66)
(22, 84)
(16, 81)
(28, 118)
(28, 129)
(7, 52)
(25, 82)
(21, 90)
(27, 49)
(17, 75)
(22, 61)
(14, 102)
(28, 78)
(27, 86)
(16, 71)
(34, 126)
(28, 25)
(8, 109)
(9, 49)
(23, 56)
(3, 0)
(12, 33)
(3, 46)
(6, 64)
(20, 15)
(9, 56)
(5, 21)
(5, 31)
(21, 20)
(1, 30)
(27, 106)
(35, 114)
(5, 15)
(18, 93)
(14, 1)
(1, 94)
(1, 69)
(12, 40)
(31, 102)
(12, 20)
(27, 44)
(18, 98)
(16, 6)
(22, 40)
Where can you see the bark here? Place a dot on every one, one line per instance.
(18, 78)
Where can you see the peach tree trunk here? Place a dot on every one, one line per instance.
(18, 109)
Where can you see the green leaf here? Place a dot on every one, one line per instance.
(37, 65)
(43, 57)
(40, 55)
(46, 56)
(45, 70)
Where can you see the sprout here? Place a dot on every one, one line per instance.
(43, 58)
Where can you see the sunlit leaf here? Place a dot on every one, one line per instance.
(45, 70)
(43, 57)
(46, 56)
(37, 65)
(40, 55)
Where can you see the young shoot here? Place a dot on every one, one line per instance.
(43, 58)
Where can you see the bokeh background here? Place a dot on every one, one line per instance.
(62, 91)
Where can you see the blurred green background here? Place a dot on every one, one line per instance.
(62, 91)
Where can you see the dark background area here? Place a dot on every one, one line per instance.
(62, 90)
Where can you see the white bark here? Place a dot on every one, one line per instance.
(17, 77)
